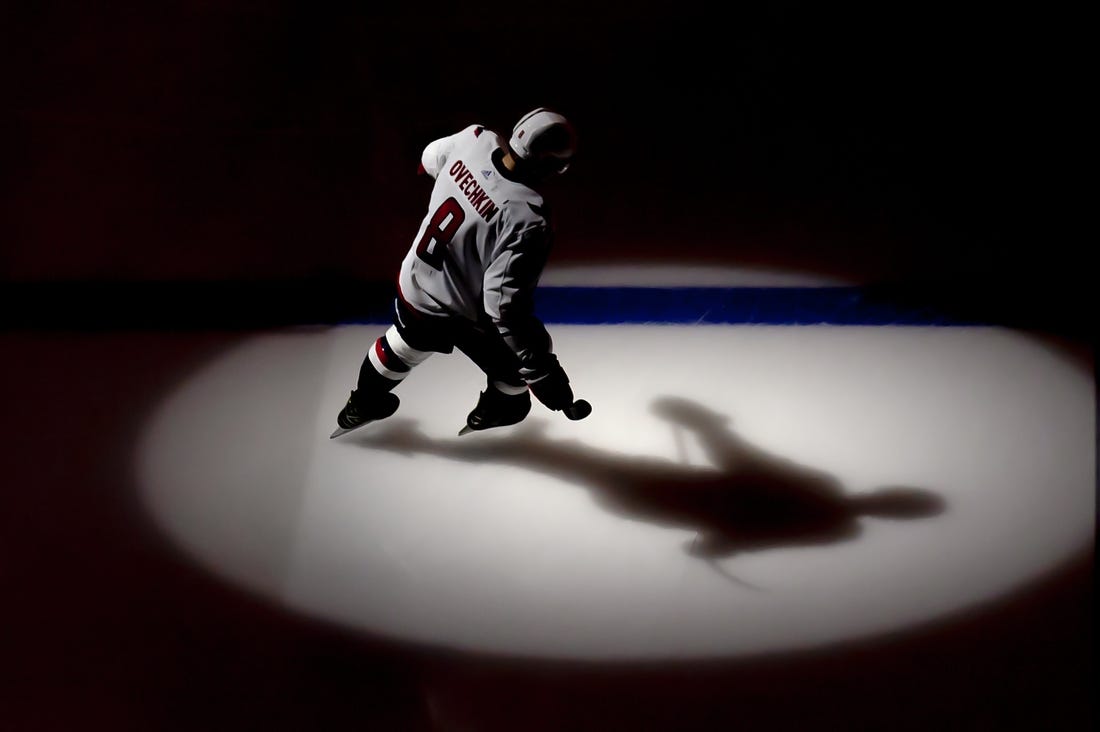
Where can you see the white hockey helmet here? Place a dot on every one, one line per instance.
(546, 137)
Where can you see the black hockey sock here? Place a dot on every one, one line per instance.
(372, 382)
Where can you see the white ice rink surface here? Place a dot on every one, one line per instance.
(709, 507)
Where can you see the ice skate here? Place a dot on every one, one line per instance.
(496, 409)
(359, 412)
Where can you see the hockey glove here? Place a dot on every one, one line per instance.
(553, 389)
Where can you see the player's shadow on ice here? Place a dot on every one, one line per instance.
(749, 500)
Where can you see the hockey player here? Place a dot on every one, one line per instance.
(469, 278)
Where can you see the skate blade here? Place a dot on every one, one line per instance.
(341, 431)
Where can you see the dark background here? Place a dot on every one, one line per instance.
(267, 149)
(255, 140)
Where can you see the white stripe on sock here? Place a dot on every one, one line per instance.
(380, 368)
(508, 388)
(403, 350)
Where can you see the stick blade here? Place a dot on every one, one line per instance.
(580, 409)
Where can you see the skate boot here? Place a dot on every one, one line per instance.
(497, 409)
(358, 411)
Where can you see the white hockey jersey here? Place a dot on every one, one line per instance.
(482, 246)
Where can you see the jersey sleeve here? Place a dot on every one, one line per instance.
(435, 155)
(510, 282)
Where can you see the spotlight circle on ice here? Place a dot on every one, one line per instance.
(805, 486)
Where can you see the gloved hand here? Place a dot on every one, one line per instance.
(552, 389)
